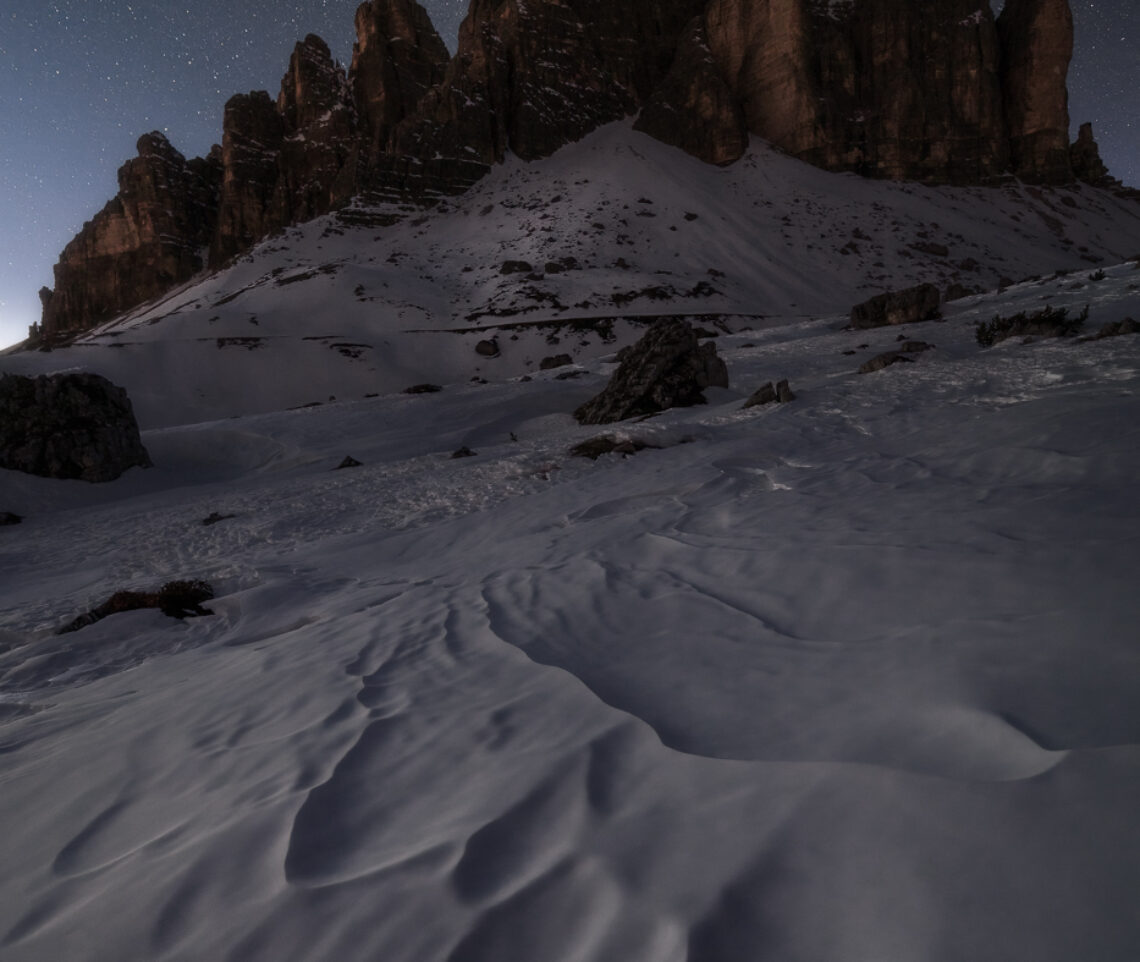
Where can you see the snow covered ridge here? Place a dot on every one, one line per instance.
(608, 231)
(851, 677)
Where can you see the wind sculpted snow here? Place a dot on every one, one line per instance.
(848, 678)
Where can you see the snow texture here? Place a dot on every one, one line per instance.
(848, 679)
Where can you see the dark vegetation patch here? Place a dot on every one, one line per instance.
(1047, 322)
(177, 599)
(423, 389)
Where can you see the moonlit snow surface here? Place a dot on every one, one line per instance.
(851, 679)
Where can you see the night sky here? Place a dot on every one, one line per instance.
(81, 80)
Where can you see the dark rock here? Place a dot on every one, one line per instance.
(765, 394)
(143, 242)
(516, 267)
(488, 348)
(557, 360)
(252, 134)
(884, 360)
(594, 448)
(398, 56)
(898, 307)
(215, 518)
(423, 389)
(694, 108)
(316, 165)
(8, 518)
(348, 462)
(956, 291)
(864, 86)
(78, 426)
(666, 368)
(1036, 39)
(931, 248)
(531, 77)
(1117, 329)
(1084, 155)
(176, 599)
(463, 452)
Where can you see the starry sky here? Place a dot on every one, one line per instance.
(81, 80)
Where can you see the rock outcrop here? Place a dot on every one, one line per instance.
(1037, 45)
(70, 426)
(914, 304)
(1085, 159)
(667, 368)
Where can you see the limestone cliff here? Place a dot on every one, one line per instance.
(886, 88)
(146, 240)
(1037, 45)
(935, 91)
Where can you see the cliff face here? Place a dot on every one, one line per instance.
(397, 58)
(1037, 45)
(145, 241)
(529, 77)
(887, 88)
(933, 91)
(253, 132)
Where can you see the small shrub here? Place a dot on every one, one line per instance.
(1097, 276)
(1048, 322)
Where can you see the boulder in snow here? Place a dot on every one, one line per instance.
(920, 303)
(70, 426)
(666, 368)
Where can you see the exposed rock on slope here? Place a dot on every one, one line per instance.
(667, 368)
(68, 426)
(919, 303)
(1084, 156)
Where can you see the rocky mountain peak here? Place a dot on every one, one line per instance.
(1084, 155)
(937, 92)
(398, 56)
(313, 86)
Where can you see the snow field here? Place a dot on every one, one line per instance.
(850, 679)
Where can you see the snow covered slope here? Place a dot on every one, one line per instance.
(851, 679)
(613, 228)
